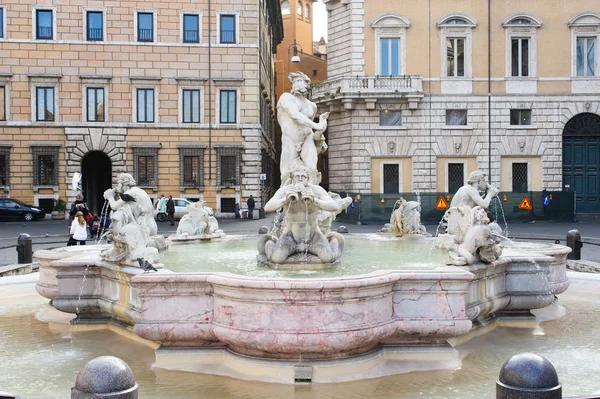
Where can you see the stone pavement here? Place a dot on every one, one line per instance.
(54, 233)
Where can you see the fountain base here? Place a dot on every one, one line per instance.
(297, 262)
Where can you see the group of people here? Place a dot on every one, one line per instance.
(82, 222)
(167, 206)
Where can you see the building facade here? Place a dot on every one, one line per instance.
(177, 93)
(422, 93)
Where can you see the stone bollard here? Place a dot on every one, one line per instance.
(24, 249)
(574, 242)
(4, 395)
(105, 377)
(528, 376)
(342, 229)
(263, 230)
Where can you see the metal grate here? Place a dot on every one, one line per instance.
(456, 176)
(191, 170)
(45, 166)
(584, 124)
(145, 166)
(4, 166)
(228, 166)
(519, 177)
(391, 181)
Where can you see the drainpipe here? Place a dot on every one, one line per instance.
(210, 98)
(489, 91)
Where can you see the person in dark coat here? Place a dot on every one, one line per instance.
(78, 205)
(171, 210)
(250, 202)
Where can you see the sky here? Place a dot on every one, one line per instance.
(320, 21)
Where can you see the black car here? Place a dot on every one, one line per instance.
(11, 209)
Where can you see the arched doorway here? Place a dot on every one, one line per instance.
(581, 160)
(96, 170)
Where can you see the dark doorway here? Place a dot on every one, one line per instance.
(391, 178)
(456, 176)
(581, 161)
(96, 170)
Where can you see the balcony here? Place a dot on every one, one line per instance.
(348, 89)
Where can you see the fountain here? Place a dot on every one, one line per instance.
(302, 314)
(406, 219)
(199, 224)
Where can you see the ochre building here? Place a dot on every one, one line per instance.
(178, 93)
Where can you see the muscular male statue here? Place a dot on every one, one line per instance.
(469, 193)
(295, 115)
(301, 202)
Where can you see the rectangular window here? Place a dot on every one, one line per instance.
(145, 168)
(4, 166)
(519, 177)
(45, 103)
(2, 103)
(228, 29)
(145, 105)
(191, 106)
(228, 170)
(145, 27)
(520, 117)
(228, 106)
(391, 178)
(191, 171)
(94, 26)
(455, 57)
(191, 28)
(1, 22)
(44, 24)
(45, 166)
(390, 118)
(456, 117)
(520, 57)
(390, 59)
(95, 104)
(456, 176)
(586, 49)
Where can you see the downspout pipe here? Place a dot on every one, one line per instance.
(489, 90)
(210, 98)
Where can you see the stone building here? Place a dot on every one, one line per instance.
(178, 93)
(422, 93)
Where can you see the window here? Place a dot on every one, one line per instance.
(299, 9)
(4, 166)
(456, 176)
(228, 106)
(227, 29)
(191, 173)
(45, 166)
(145, 165)
(44, 24)
(520, 117)
(390, 118)
(95, 26)
(1, 22)
(191, 28)
(145, 105)
(519, 177)
(95, 104)
(520, 57)
(456, 117)
(307, 12)
(285, 8)
(315, 73)
(45, 104)
(391, 178)
(191, 106)
(2, 103)
(586, 50)
(455, 57)
(145, 28)
(228, 166)
(390, 61)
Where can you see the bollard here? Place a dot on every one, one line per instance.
(24, 249)
(4, 395)
(528, 376)
(106, 377)
(574, 242)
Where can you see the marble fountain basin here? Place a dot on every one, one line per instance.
(401, 304)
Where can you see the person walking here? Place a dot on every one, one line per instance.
(78, 230)
(250, 202)
(162, 208)
(171, 210)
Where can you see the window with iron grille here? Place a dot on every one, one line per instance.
(4, 166)
(191, 106)
(94, 25)
(45, 166)
(519, 177)
(228, 166)
(227, 29)
(145, 166)
(391, 178)
(45, 103)
(95, 104)
(191, 167)
(145, 105)
(43, 24)
(145, 27)
(456, 176)
(228, 106)
(191, 24)
(521, 117)
(2, 103)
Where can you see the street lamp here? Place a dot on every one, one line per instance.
(295, 57)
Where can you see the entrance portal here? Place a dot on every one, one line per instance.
(96, 177)
(581, 160)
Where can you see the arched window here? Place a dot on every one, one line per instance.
(299, 10)
(456, 21)
(307, 12)
(285, 7)
(520, 21)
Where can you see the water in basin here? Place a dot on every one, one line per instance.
(364, 253)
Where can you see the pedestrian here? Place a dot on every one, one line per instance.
(78, 230)
(78, 206)
(250, 202)
(162, 208)
(171, 210)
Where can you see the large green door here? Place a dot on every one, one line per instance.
(581, 158)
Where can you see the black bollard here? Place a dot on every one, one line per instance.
(574, 242)
(106, 376)
(528, 376)
(24, 249)
(4, 395)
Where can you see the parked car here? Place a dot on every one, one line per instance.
(11, 209)
(180, 210)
